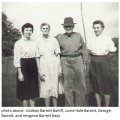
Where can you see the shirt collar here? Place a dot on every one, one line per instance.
(68, 35)
(25, 39)
(102, 35)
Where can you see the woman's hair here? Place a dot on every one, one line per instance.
(43, 24)
(99, 22)
(27, 25)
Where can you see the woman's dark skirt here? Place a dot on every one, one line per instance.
(28, 89)
(100, 75)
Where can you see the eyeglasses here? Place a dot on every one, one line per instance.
(45, 28)
(71, 26)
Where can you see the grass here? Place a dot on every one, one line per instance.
(9, 86)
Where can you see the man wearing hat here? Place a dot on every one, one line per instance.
(72, 59)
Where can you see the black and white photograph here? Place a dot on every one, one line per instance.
(64, 65)
(60, 54)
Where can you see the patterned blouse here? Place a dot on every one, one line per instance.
(24, 48)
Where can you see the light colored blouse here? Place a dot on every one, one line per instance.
(48, 47)
(24, 48)
(101, 45)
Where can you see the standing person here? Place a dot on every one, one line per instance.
(50, 67)
(72, 59)
(25, 55)
(100, 71)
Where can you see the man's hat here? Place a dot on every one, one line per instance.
(68, 21)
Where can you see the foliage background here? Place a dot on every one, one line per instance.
(10, 34)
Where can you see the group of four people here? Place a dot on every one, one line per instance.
(42, 66)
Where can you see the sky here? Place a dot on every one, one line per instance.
(54, 14)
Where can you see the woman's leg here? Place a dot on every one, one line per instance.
(32, 103)
(25, 103)
(47, 102)
(98, 99)
(107, 100)
(54, 101)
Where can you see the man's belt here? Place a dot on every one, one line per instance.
(76, 55)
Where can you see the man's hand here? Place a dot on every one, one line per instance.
(60, 76)
(85, 66)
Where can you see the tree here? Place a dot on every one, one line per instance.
(10, 34)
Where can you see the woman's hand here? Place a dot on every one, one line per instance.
(21, 77)
(41, 77)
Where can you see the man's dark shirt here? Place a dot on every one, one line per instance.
(72, 44)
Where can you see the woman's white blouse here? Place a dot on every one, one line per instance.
(24, 48)
(48, 47)
(101, 45)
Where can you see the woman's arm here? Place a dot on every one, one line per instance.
(17, 57)
(40, 75)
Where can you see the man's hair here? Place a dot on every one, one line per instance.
(43, 24)
(27, 25)
(99, 22)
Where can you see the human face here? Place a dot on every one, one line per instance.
(45, 29)
(27, 32)
(97, 29)
(69, 29)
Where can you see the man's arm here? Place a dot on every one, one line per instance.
(84, 50)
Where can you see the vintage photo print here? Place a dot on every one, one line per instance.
(59, 55)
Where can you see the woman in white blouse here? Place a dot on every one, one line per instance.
(50, 67)
(100, 71)
(25, 55)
